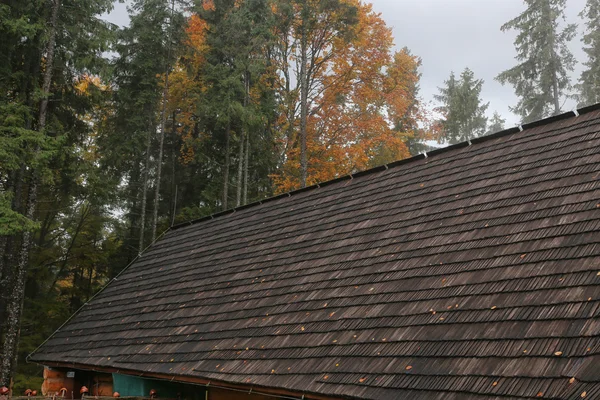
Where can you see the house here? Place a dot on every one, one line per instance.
(472, 272)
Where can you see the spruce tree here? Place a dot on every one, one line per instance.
(464, 113)
(540, 80)
(146, 48)
(496, 123)
(237, 103)
(589, 82)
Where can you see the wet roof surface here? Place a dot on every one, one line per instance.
(471, 274)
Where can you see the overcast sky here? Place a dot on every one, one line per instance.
(450, 35)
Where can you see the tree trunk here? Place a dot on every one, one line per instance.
(8, 359)
(238, 198)
(145, 188)
(555, 93)
(227, 164)
(303, 97)
(246, 159)
(243, 139)
(173, 204)
(247, 141)
(163, 123)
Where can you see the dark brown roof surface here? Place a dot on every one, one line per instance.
(473, 273)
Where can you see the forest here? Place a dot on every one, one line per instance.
(110, 135)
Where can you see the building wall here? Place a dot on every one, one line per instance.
(55, 379)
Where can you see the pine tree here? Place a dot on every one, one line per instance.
(589, 82)
(541, 78)
(464, 113)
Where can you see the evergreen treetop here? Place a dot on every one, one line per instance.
(540, 80)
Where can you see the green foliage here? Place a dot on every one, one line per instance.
(496, 124)
(238, 37)
(589, 82)
(464, 113)
(72, 224)
(12, 222)
(541, 78)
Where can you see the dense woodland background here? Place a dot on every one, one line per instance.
(110, 135)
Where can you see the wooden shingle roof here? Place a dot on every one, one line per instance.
(473, 273)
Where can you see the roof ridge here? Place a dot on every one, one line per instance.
(421, 156)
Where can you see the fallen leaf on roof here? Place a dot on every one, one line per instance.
(558, 353)
(326, 377)
(302, 328)
(494, 307)
(408, 367)
(540, 394)
(337, 365)
(361, 380)
(524, 351)
(572, 380)
(272, 371)
(583, 394)
(495, 384)
(523, 255)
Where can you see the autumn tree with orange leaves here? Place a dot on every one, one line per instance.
(360, 96)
